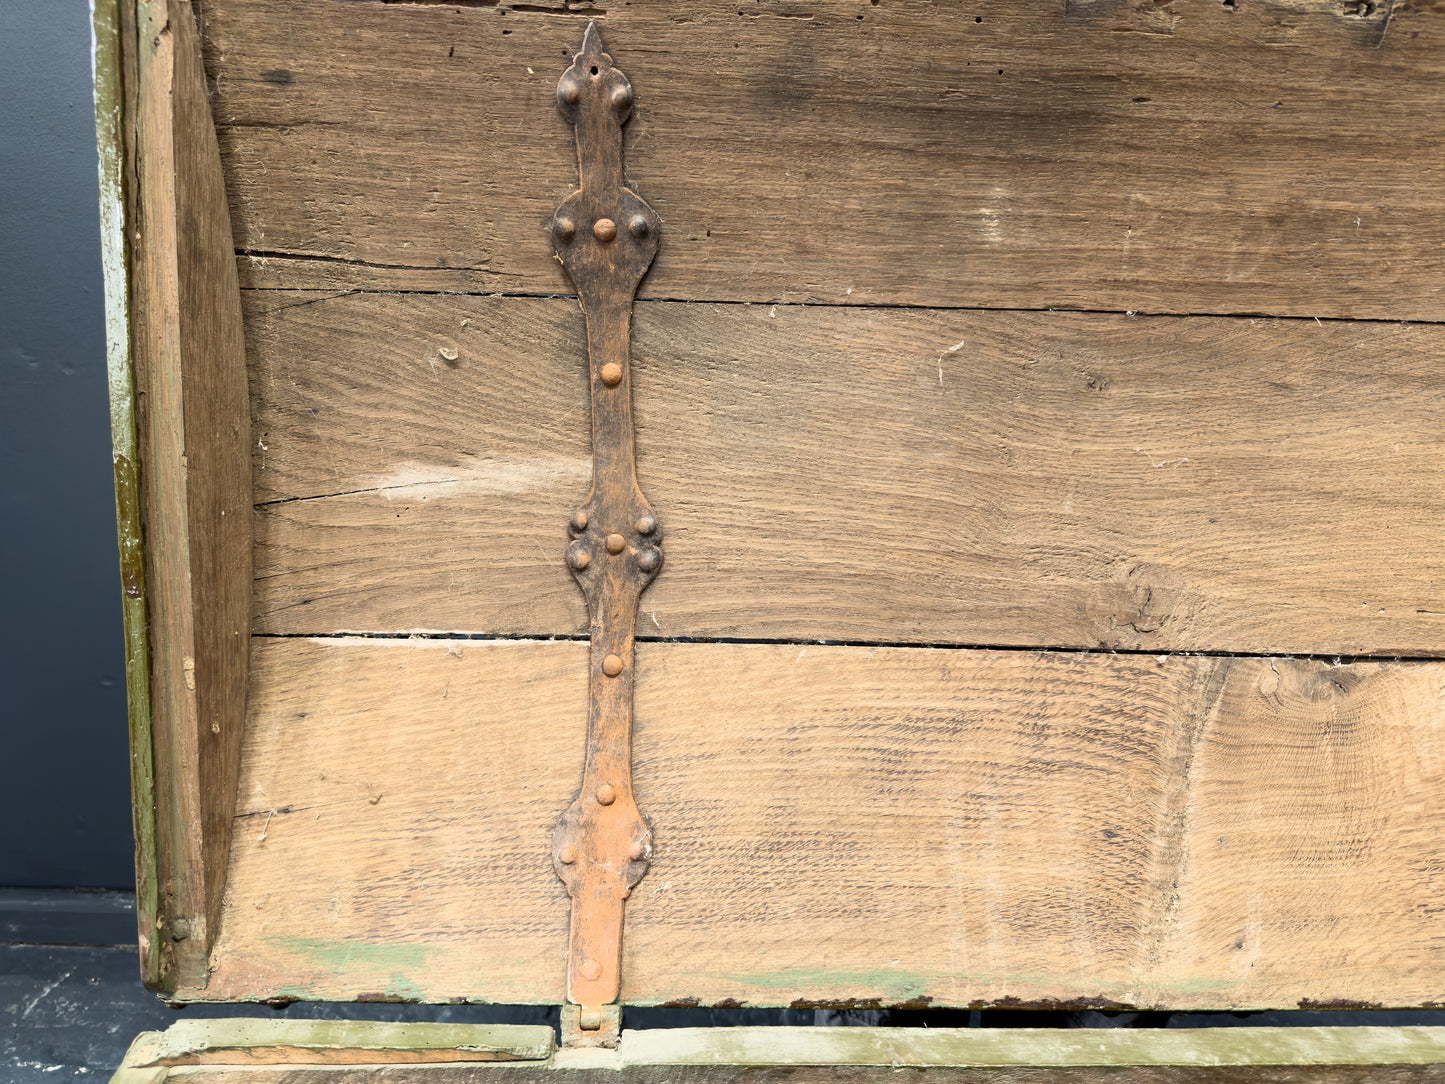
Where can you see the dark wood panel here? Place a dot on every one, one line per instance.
(1270, 156)
(1171, 484)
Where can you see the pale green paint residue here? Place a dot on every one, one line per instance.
(1037, 1047)
(399, 986)
(110, 140)
(505, 1042)
(391, 970)
(339, 956)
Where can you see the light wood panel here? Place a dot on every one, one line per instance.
(1048, 479)
(828, 1074)
(851, 1055)
(884, 826)
(1276, 156)
(192, 421)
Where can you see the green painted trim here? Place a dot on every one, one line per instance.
(184, 1042)
(133, 1070)
(788, 1046)
(1033, 1047)
(110, 139)
(127, 1074)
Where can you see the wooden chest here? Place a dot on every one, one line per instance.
(1042, 407)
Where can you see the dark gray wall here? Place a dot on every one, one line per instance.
(64, 789)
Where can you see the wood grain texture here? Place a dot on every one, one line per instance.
(832, 1074)
(897, 826)
(944, 1054)
(1277, 156)
(1042, 479)
(338, 1042)
(193, 424)
(109, 68)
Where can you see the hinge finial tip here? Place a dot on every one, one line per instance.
(592, 39)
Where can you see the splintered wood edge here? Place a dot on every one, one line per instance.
(106, 66)
(250, 1043)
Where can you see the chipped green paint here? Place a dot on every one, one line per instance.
(404, 989)
(110, 140)
(339, 956)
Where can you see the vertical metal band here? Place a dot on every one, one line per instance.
(606, 237)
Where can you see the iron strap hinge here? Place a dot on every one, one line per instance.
(606, 238)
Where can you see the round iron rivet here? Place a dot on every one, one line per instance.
(568, 855)
(606, 794)
(648, 560)
(639, 850)
(611, 666)
(612, 374)
(580, 559)
(605, 229)
(616, 543)
(646, 525)
(622, 97)
(566, 228)
(590, 970)
(572, 93)
(638, 226)
(579, 521)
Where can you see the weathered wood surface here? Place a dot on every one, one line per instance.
(109, 69)
(886, 826)
(832, 1074)
(1049, 479)
(338, 1042)
(192, 420)
(1269, 156)
(858, 1055)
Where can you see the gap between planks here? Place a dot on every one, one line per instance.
(327, 293)
(1334, 659)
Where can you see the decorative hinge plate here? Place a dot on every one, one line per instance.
(606, 237)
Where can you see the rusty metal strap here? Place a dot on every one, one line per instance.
(606, 237)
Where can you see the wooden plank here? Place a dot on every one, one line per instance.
(339, 1042)
(108, 67)
(854, 1055)
(1129, 1074)
(1040, 479)
(192, 421)
(1276, 156)
(893, 826)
